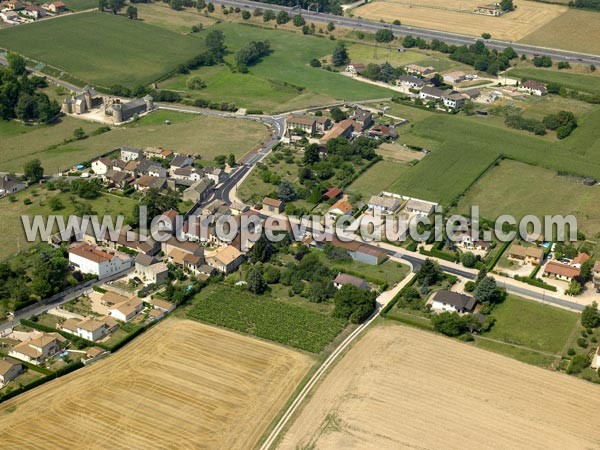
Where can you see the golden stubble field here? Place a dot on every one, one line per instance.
(400, 387)
(180, 385)
(458, 17)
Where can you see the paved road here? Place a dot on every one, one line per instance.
(403, 30)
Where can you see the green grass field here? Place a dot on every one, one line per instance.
(265, 317)
(81, 5)
(103, 49)
(577, 81)
(379, 177)
(282, 81)
(532, 325)
(519, 189)
(207, 136)
(12, 237)
(518, 353)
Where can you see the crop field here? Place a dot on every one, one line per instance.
(207, 136)
(520, 189)
(459, 17)
(399, 387)
(162, 15)
(574, 30)
(576, 81)
(181, 384)
(103, 49)
(266, 317)
(282, 81)
(12, 236)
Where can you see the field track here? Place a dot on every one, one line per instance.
(399, 387)
(181, 385)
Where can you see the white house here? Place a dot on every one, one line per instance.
(9, 17)
(419, 207)
(383, 205)
(355, 68)
(91, 328)
(340, 208)
(534, 87)
(101, 166)
(130, 153)
(225, 259)
(9, 370)
(127, 310)
(90, 259)
(37, 349)
(596, 359)
(453, 302)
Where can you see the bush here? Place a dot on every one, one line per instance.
(469, 286)
(27, 201)
(571, 351)
(581, 342)
(577, 364)
(315, 63)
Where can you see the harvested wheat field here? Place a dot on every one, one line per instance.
(458, 17)
(181, 385)
(400, 387)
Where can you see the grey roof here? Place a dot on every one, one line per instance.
(131, 150)
(179, 161)
(144, 260)
(135, 103)
(433, 91)
(419, 205)
(384, 202)
(344, 278)
(361, 115)
(459, 301)
(145, 165)
(200, 186)
(7, 182)
(411, 79)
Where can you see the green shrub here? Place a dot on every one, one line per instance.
(581, 342)
(571, 351)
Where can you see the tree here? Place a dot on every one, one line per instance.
(592, 68)
(315, 63)
(286, 191)
(429, 273)
(590, 317)
(177, 5)
(79, 134)
(449, 323)
(210, 7)
(354, 304)
(509, 52)
(132, 12)
(585, 274)
(200, 5)
(486, 35)
(55, 204)
(340, 56)
(231, 160)
(298, 20)
(330, 26)
(282, 18)
(384, 35)
(256, 282)
(195, 83)
(574, 288)
(102, 5)
(262, 250)
(116, 5)
(437, 80)
(156, 202)
(215, 43)
(311, 154)
(16, 64)
(338, 115)
(268, 15)
(397, 22)
(246, 15)
(220, 160)
(487, 291)
(33, 171)
(469, 259)
(507, 5)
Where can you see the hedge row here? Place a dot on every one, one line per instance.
(536, 282)
(374, 280)
(435, 253)
(500, 252)
(391, 304)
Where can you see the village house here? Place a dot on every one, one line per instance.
(579, 260)
(596, 359)
(340, 208)
(214, 174)
(189, 174)
(146, 182)
(355, 69)
(307, 124)
(10, 185)
(225, 259)
(177, 251)
(528, 255)
(381, 131)
(130, 153)
(364, 253)
(150, 270)
(38, 348)
(55, 7)
(162, 305)
(111, 298)
(560, 271)
(453, 302)
(180, 161)
(415, 69)
(34, 12)
(343, 128)
(363, 118)
(332, 193)
(489, 10)
(419, 207)
(14, 5)
(453, 100)
(10, 17)
(90, 328)
(102, 165)
(533, 87)
(198, 191)
(9, 370)
(411, 81)
(465, 241)
(383, 204)
(91, 259)
(596, 274)
(343, 279)
(118, 179)
(272, 205)
(431, 93)
(128, 310)
(455, 77)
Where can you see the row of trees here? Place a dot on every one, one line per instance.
(563, 122)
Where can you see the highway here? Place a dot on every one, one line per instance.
(403, 30)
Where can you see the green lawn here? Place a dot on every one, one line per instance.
(81, 5)
(518, 353)
(13, 237)
(379, 177)
(103, 49)
(507, 189)
(207, 136)
(282, 81)
(532, 324)
(579, 82)
(265, 317)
